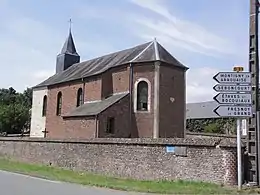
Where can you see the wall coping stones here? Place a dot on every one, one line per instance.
(196, 141)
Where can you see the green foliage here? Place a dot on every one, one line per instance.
(15, 110)
(217, 125)
(213, 128)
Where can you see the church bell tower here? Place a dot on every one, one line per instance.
(68, 55)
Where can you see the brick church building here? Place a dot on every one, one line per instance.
(134, 93)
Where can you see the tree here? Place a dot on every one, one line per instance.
(212, 125)
(15, 110)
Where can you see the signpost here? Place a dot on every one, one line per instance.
(232, 88)
(235, 100)
(233, 77)
(234, 111)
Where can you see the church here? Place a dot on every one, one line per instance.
(139, 92)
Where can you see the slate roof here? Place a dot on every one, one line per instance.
(69, 46)
(146, 52)
(201, 110)
(94, 108)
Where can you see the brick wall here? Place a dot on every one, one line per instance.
(172, 102)
(171, 114)
(120, 111)
(55, 125)
(93, 89)
(120, 79)
(143, 121)
(211, 160)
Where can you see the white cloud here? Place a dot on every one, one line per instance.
(200, 84)
(29, 47)
(179, 32)
(43, 74)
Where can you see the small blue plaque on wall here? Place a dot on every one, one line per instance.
(170, 149)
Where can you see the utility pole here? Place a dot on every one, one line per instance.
(253, 136)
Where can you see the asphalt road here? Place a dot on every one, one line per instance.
(17, 184)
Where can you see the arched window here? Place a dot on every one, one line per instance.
(59, 104)
(142, 96)
(79, 97)
(44, 105)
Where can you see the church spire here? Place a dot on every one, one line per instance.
(69, 46)
(68, 55)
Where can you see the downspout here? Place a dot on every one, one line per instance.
(97, 130)
(156, 133)
(185, 113)
(83, 90)
(131, 96)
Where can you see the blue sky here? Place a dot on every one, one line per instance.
(207, 35)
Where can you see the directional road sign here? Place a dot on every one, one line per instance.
(232, 88)
(233, 77)
(233, 98)
(234, 111)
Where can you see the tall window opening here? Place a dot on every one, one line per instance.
(44, 105)
(59, 104)
(142, 96)
(110, 125)
(79, 97)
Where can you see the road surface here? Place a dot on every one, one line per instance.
(17, 184)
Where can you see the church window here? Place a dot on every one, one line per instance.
(79, 97)
(59, 104)
(142, 96)
(44, 105)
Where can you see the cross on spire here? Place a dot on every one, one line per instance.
(70, 22)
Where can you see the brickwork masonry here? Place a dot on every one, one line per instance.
(200, 159)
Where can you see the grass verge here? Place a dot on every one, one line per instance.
(162, 187)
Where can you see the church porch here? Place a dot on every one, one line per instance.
(104, 118)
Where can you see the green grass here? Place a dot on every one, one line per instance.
(162, 187)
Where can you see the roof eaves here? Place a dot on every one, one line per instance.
(97, 112)
(124, 94)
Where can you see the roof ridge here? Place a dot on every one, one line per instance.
(111, 53)
(156, 51)
(115, 52)
(138, 55)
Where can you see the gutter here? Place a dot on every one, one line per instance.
(83, 90)
(131, 97)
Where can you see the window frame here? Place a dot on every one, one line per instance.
(136, 94)
(109, 129)
(80, 100)
(44, 105)
(59, 104)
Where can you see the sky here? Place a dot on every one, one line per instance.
(208, 36)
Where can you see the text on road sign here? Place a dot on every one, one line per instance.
(234, 98)
(233, 88)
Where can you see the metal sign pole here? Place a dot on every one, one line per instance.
(235, 100)
(239, 159)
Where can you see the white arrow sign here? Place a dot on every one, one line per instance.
(233, 77)
(232, 98)
(234, 111)
(232, 88)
